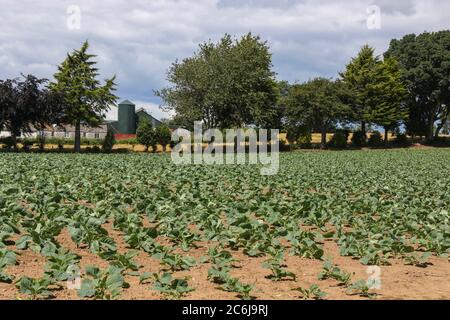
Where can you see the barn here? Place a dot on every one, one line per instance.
(128, 120)
(124, 128)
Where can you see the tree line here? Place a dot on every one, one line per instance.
(231, 84)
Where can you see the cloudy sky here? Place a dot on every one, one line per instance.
(138, 39)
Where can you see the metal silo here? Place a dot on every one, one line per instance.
(127, 118)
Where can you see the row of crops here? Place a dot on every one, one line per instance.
(376, 205)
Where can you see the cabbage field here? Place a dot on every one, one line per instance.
(130, 226)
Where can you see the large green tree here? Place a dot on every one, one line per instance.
(425, 65)
(388, 108)
(225, 84)
(86, 100)
(316, 105)
(360, 78)
(278, 118)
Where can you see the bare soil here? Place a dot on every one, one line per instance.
(398, 281)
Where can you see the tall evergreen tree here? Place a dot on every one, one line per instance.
(388, 108)
(85, 99)
(360, 77)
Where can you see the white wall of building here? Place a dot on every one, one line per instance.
(4, 134)
(59, 134)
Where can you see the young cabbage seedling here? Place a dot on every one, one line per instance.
(313, 292)
(360, 288)
(331, 271)
(171, 288)
(102, 285)
(36, 288)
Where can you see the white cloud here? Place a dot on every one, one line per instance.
(138, 39)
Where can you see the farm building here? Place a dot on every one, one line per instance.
(128, 120)
(67, 131)
(124, 127)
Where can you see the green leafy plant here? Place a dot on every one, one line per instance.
(122, 261)
(308, 248)
(219, 274)
(312, 292)
(36, 288)
(163, 136)
(144, 277)
(175, 262)
(102, 285)
(243, 290)
(417, 260)
(331, 271)
(88, 230)
(7, 258)
(182, 236)
(143, 239)
(5, 277)
(276, 265)
(360, 288)
(217, 256)
(375, 257)
(59, 264)
(40, 232)
(169, 287)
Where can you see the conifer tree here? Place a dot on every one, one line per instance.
(85, 100)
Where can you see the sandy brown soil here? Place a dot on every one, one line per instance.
(398, 281)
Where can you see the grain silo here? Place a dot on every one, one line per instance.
(127, 118)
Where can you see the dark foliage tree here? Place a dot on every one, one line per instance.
(27, 105)
(109, 141)
(7, 100)
(425, 64)
(316, 105)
